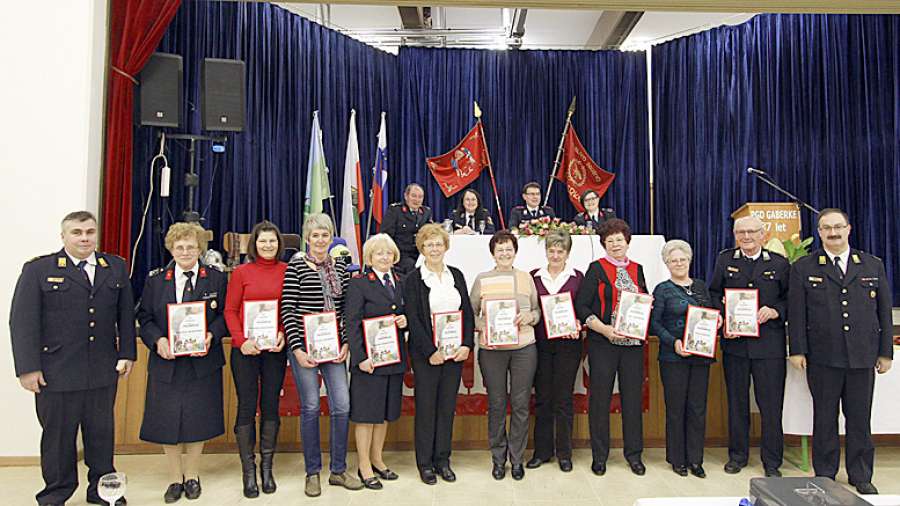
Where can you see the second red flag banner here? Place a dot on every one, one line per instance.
(461, 165)
(579, 171)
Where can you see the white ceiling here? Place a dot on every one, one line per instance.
(544, 29)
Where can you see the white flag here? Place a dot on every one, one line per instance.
(353, 204)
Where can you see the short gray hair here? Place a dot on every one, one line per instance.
(747, 219)
(317, 221)
(560, 239)
(677, 245)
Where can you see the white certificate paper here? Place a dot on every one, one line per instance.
(700, 331)
(187, 328)
(741, 312)
(448, 332)
(261, 322)
(559, 315)
(499, 322)
(323, 342)
(633, 314)
(382, 340)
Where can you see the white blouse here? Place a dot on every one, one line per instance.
(442, 295)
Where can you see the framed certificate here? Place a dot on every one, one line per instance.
(700, 331)
(323, 342)
(633, 315)
(500, 322)
(261, 322)
(448, 332)
(741, 312)
(382, 340)
(559, 315)
(187, 328)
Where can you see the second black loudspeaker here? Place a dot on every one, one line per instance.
(223, 98)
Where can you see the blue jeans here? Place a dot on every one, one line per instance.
(338, 390)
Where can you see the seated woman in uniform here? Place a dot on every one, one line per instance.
(593, 216)
(470, 217)
(183, 408)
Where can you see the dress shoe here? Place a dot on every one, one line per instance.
(313, 488)
(734, 467)
(499, 471)
(697, 470)
(447, 474)
(637, 467)
(369, 483)
(865, 488)
(535, 462)
(385, 474)
(680, 470)
(565, 465)
(518, 471)
(96, 500)
(773, 472)
(347, 480)
(173, 493)
(598, 468)
(427, 475)
(192, 488)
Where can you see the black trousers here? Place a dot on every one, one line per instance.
(436, 389)
(606, 360)
(853, 390)
(684, 390)
(257, 381)
(60, 415)
(554, 381)
(768, 388)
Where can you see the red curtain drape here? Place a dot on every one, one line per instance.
(136, 27)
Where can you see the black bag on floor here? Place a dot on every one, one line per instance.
(801, 492)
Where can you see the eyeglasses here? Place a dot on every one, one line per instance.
(748, 232)
(677, 261)
(429, 245)
(832, 228)
(591, 199)
(185, 249)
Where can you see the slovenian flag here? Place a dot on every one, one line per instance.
(380, 175)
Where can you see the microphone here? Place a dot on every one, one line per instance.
(165, 175)
(751, 170)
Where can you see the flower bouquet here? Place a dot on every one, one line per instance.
(542, 226)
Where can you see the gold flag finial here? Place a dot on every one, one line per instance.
(477, 110)
(572, 106)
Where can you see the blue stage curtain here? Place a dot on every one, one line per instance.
(294, 66)
(524, 96)
(814, 100)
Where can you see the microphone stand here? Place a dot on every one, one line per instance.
(765, 179)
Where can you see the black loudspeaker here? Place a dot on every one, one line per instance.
(224, 95)
(161, 84)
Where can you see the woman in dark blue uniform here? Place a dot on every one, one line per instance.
(470, 217)
(375, 392)
(183, 408)
(593, 216)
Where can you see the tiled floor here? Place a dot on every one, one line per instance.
(220, 477)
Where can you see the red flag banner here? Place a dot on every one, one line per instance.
(579, 171)
(461, 165)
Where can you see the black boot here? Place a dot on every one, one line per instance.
(268, 437)
(246, 440)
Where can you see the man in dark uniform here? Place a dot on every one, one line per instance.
(531, 194)
(840, 333)
(402, 222)
(749, 266)
(72, 329)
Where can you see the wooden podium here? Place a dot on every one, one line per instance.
(780, 219)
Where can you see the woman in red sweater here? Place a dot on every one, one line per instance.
(258, 367)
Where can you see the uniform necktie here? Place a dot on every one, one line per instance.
(188, 286)
(534, 214)
(837, 265)
(82, 266)
(470, 221)
(389, 284)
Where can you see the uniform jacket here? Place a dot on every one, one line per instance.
(603, 215)
(159, 292)
(367, 297)
(770, 274)
(72, 331)
(840, 322)
(520, 214)
(459, 221)
(402, 224)
(418, 313)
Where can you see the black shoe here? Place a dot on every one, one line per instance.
(598, 468)
(447, 474)
(773, 472)
(734, 467)
(680, 470)
(866, 488)
(535, 462)
(637, 467)
(385, 474)
(697, 470)
(518, 471)
(371, 483)
(565, 465)
(427, 475)
(499, 471)
(268, 439)
(92, 499)
(246, 441)
(173, 493)
(192, 488)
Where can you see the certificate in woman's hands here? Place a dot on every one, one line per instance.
(323, 343)
(382, 341)
(633, 314)
(500, 322)
(700, 328)
(261, 322)
(448, 332)
(187, 328)
(559, 315)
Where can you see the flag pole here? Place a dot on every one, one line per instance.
(559, 150)
(490, 166)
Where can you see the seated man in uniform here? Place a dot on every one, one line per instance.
(531, 194)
